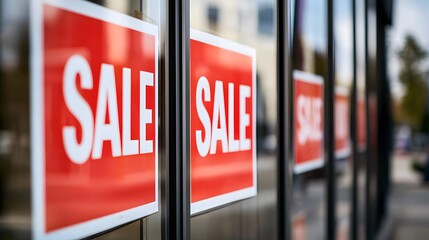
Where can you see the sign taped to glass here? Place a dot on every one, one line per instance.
(94, 119)
(223, 127)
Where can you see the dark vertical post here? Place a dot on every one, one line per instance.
(185, 89)
(329, 127)
(177, 219)
(141, 232)
(354, 220)
(384, 117)
(368, 164)
(284, 171)
(382, 139)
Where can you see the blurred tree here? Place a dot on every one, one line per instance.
(414, 102)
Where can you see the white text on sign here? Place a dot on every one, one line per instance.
(309, 119)
(341, 120)
(216, 129)
(96, 133)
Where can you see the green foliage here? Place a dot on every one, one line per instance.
(414, 102)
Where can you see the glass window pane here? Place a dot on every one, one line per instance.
(309, 57)
(342, 102)
(361, 119)
(15, 183)
(15, 121)
(251, 23)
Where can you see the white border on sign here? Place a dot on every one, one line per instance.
(222, 199)
(343, 152)
(308, 165)
(307, 77)
(300, 76)
(97, 225)
(342, 91)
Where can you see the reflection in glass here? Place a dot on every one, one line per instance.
(15, 190)
(342, 101)
(309, 55)
(251, 23)
(361, 118)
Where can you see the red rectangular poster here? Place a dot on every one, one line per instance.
(308, 121)
(223, 127)
(342, 123)
(94, 114)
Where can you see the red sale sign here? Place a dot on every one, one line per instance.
(308, 121)
(94, 119)
(223, 127)
(342, 123)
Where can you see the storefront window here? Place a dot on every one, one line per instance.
(343, 23)
(361, 119)
(250, 24)
(17, 149)
(310, 57)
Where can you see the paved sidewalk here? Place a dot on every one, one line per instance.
(409, 201)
